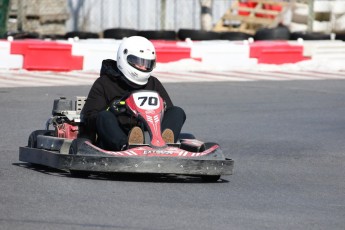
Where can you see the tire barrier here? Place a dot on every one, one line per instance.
(17, 35)
(234, 36)
(81, 35)
(340, 36)
(119, 33)
(197, 35)
(158, 35)
(309, 36)
(278, 33)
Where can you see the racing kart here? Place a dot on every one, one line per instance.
(60, 148)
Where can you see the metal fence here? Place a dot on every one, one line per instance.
(98, 15)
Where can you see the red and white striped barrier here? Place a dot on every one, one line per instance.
(88, 54)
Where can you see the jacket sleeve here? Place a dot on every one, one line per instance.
(95, 103)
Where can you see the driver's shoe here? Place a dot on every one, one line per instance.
(168, 136)
(136, 136)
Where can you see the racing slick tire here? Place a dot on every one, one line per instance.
(79, 174)
(213, 178)
(32, 141)
(186, 136)
(73, 149)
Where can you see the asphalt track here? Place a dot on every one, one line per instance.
(287, 140)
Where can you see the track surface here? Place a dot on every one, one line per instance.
(286, 137)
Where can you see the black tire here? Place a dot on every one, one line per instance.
(158, 34)
(81, 35)
(119, 33)
(75, 145)
(278, 33)
(186, 136)
(22, 35)
(309, 36)
(197, 35)
(234, 36)
(32, 141)
(79, 174)
(73, 150)
(212, 178)
(53, 36)
(340, 36)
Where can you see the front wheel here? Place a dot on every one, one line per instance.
(75, 145)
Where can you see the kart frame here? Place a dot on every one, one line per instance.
(61, 149)
(107, 164)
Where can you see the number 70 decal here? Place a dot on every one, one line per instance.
(147, 100)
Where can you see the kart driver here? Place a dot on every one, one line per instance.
(102, 124)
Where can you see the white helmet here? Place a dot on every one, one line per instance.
(136, 58)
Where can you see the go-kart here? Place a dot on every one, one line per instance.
(61, 149)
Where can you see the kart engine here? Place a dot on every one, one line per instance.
(66, 117)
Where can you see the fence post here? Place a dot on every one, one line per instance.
(4, 8)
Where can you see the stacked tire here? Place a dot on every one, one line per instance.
(310, 36)
(278, 33)
(158, 34)
(119, 33)
(234, 36)
(197, 35)
(81, 35)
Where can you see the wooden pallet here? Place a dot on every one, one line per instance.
(249, 16)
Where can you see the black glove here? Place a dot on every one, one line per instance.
(117, 107)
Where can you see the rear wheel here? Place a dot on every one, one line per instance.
(79, 174)
(213, 178)
(32, 141)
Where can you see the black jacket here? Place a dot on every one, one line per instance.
(110, 86)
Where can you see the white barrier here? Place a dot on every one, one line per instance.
(8, 60)
(328, 51)
(223, 55)
(312, 48)
(95, 51)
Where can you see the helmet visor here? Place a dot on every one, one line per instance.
(144, 65)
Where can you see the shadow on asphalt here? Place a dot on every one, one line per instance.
(128, 177)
